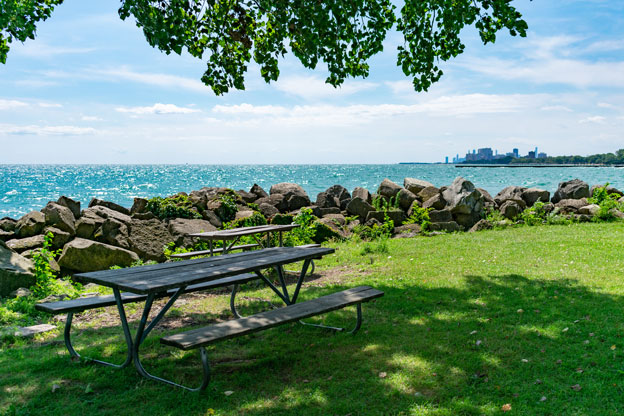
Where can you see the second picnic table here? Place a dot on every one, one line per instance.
(232, 236)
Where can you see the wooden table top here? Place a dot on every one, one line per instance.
(238, 232)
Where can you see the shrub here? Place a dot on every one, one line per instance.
(535, 215)
(176, 206)
(607, 203)
(227, 209)
(420, 216)
(382, 204)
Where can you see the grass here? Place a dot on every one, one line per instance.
(529, 317)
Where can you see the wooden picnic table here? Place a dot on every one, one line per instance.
(155, 280)
(231, 237)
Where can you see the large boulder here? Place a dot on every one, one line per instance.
(488, 201)
(571, 206)
(388, 189)
(510, 209)
(294, 195)
(258, 191)
(416, 185)
(464, 201)
(267, 210)
(435, 202)
(338, 191)
(111, 205)
(574, 189)
(30, 224)
(100, 212)
(511, 193)
(148, 239)
(362, 193)
(6, 235)
(59, 216)
(83, 255)
(248, 197)
(325, 200)
(591, 209)
(139, 206)
(8, 224)
(532, 195)
(59, 237)
(180, 228)
(359, 207)
(74, 206)
(22, 244)
(427, 193)
(397, 216)
(15, 271)
(449, 227)
(406, 199)
(114, 232)
(442, 215)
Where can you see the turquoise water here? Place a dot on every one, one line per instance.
(24, 188)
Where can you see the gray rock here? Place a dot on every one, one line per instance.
(87, 256)
(143, 216)
(267, 210)
(416, 185)
(31, 331)
(407, 231)
(327, 211)
(325, 200)
(139, 206)
(60, 216)
(464, 201)
(99, 212)
(258, 191)
(60, 237)
(74, 206)
(448, 227)
(591, 209)
(180, 228)
(23, 244)
(574, 189)
(242, 214)
(363, 194)
(8, 224)
(533, 195)
(113, 232)
(338, 219)
(148, 238)
(110, 205)
(443, 215)
(388, 189)
(510, 209)
(248, 197)
(435, 202)
(7, 235)
(359, 207)
(397, 216)
(511, 193)
(213, 219)
(294, 195)
(571, 206)
(30, 224)
(326, 229)
(338, 191)
(488, 201)
(21, 292)
(87, 226)
(481, 225)
(406, 198)
(427, 193)
(15, 271)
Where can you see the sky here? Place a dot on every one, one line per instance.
(89, 89)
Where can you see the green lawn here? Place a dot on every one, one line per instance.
(529, 317)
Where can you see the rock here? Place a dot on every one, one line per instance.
(21, 292)
(86, 226)
(449, 227)
(363, 194)
(322, 212)
(113, 232)
(407, 231)
(435, 202)
(532, 195)
(574, 189)
(397, 216)
(74, 206)
(7, 235)
(416, 185)
(621, 200)
(443, 215)
(267, 210)
(591, 209)
(481, 225)
(511, 193)
(276, 200)
(510, 209)
(23, 244)
(337, 219)
(325, 200)
(610, 190)
(100, 212)
(428, 193)
(571, 206)
(406, 198)
(8, 224)
(15, 271)
(326, 229)
(60, 237)
(139, 206)
(258, 191)
(30, 254)
(241, 215)
(548, 207)
(464, 201)
(110, 205)
(31, 331)
(213, 219)
(144, 216)
(30, 224)
(338, 191)
(180, 228)
(617, 213)
(488, 201)
(87, 256)
(148, 238)
(282, 219)
(388, 189)
(60, 216)
(359, 207)
(248, 197)
(294, 195)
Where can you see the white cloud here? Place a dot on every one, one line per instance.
(50, 105)
(594, 119)
(47, 130)
(161, 80)
(39, 49)
(556, 108)
(90, 118)
(157, 108)
(314, 88)
(10, 104)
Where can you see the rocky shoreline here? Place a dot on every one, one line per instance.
(107, 234)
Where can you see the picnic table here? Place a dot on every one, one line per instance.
(176, 278)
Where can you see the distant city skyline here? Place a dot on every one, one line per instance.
(486, 154)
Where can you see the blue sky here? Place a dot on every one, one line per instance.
(90, 89)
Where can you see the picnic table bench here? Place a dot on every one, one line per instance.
(176, 278)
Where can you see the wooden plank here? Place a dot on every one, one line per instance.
(243, 326)
(83, 304)
(214, 251)
(155, 280)
(238, 232)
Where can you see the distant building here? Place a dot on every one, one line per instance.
(516, 154)
(446, 161)
(531, 155)
(542, 155)
(485, 154)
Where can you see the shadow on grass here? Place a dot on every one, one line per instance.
(434, 350)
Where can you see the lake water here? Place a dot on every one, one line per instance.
(24, 188)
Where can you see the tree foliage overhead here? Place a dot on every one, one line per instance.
(341, 34)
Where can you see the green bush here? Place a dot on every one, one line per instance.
(375, 232)
(535, 215)
(607, 203)
(176, 206)
(227, 209)
(420, 216)
(256, 219)
(384, 205)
